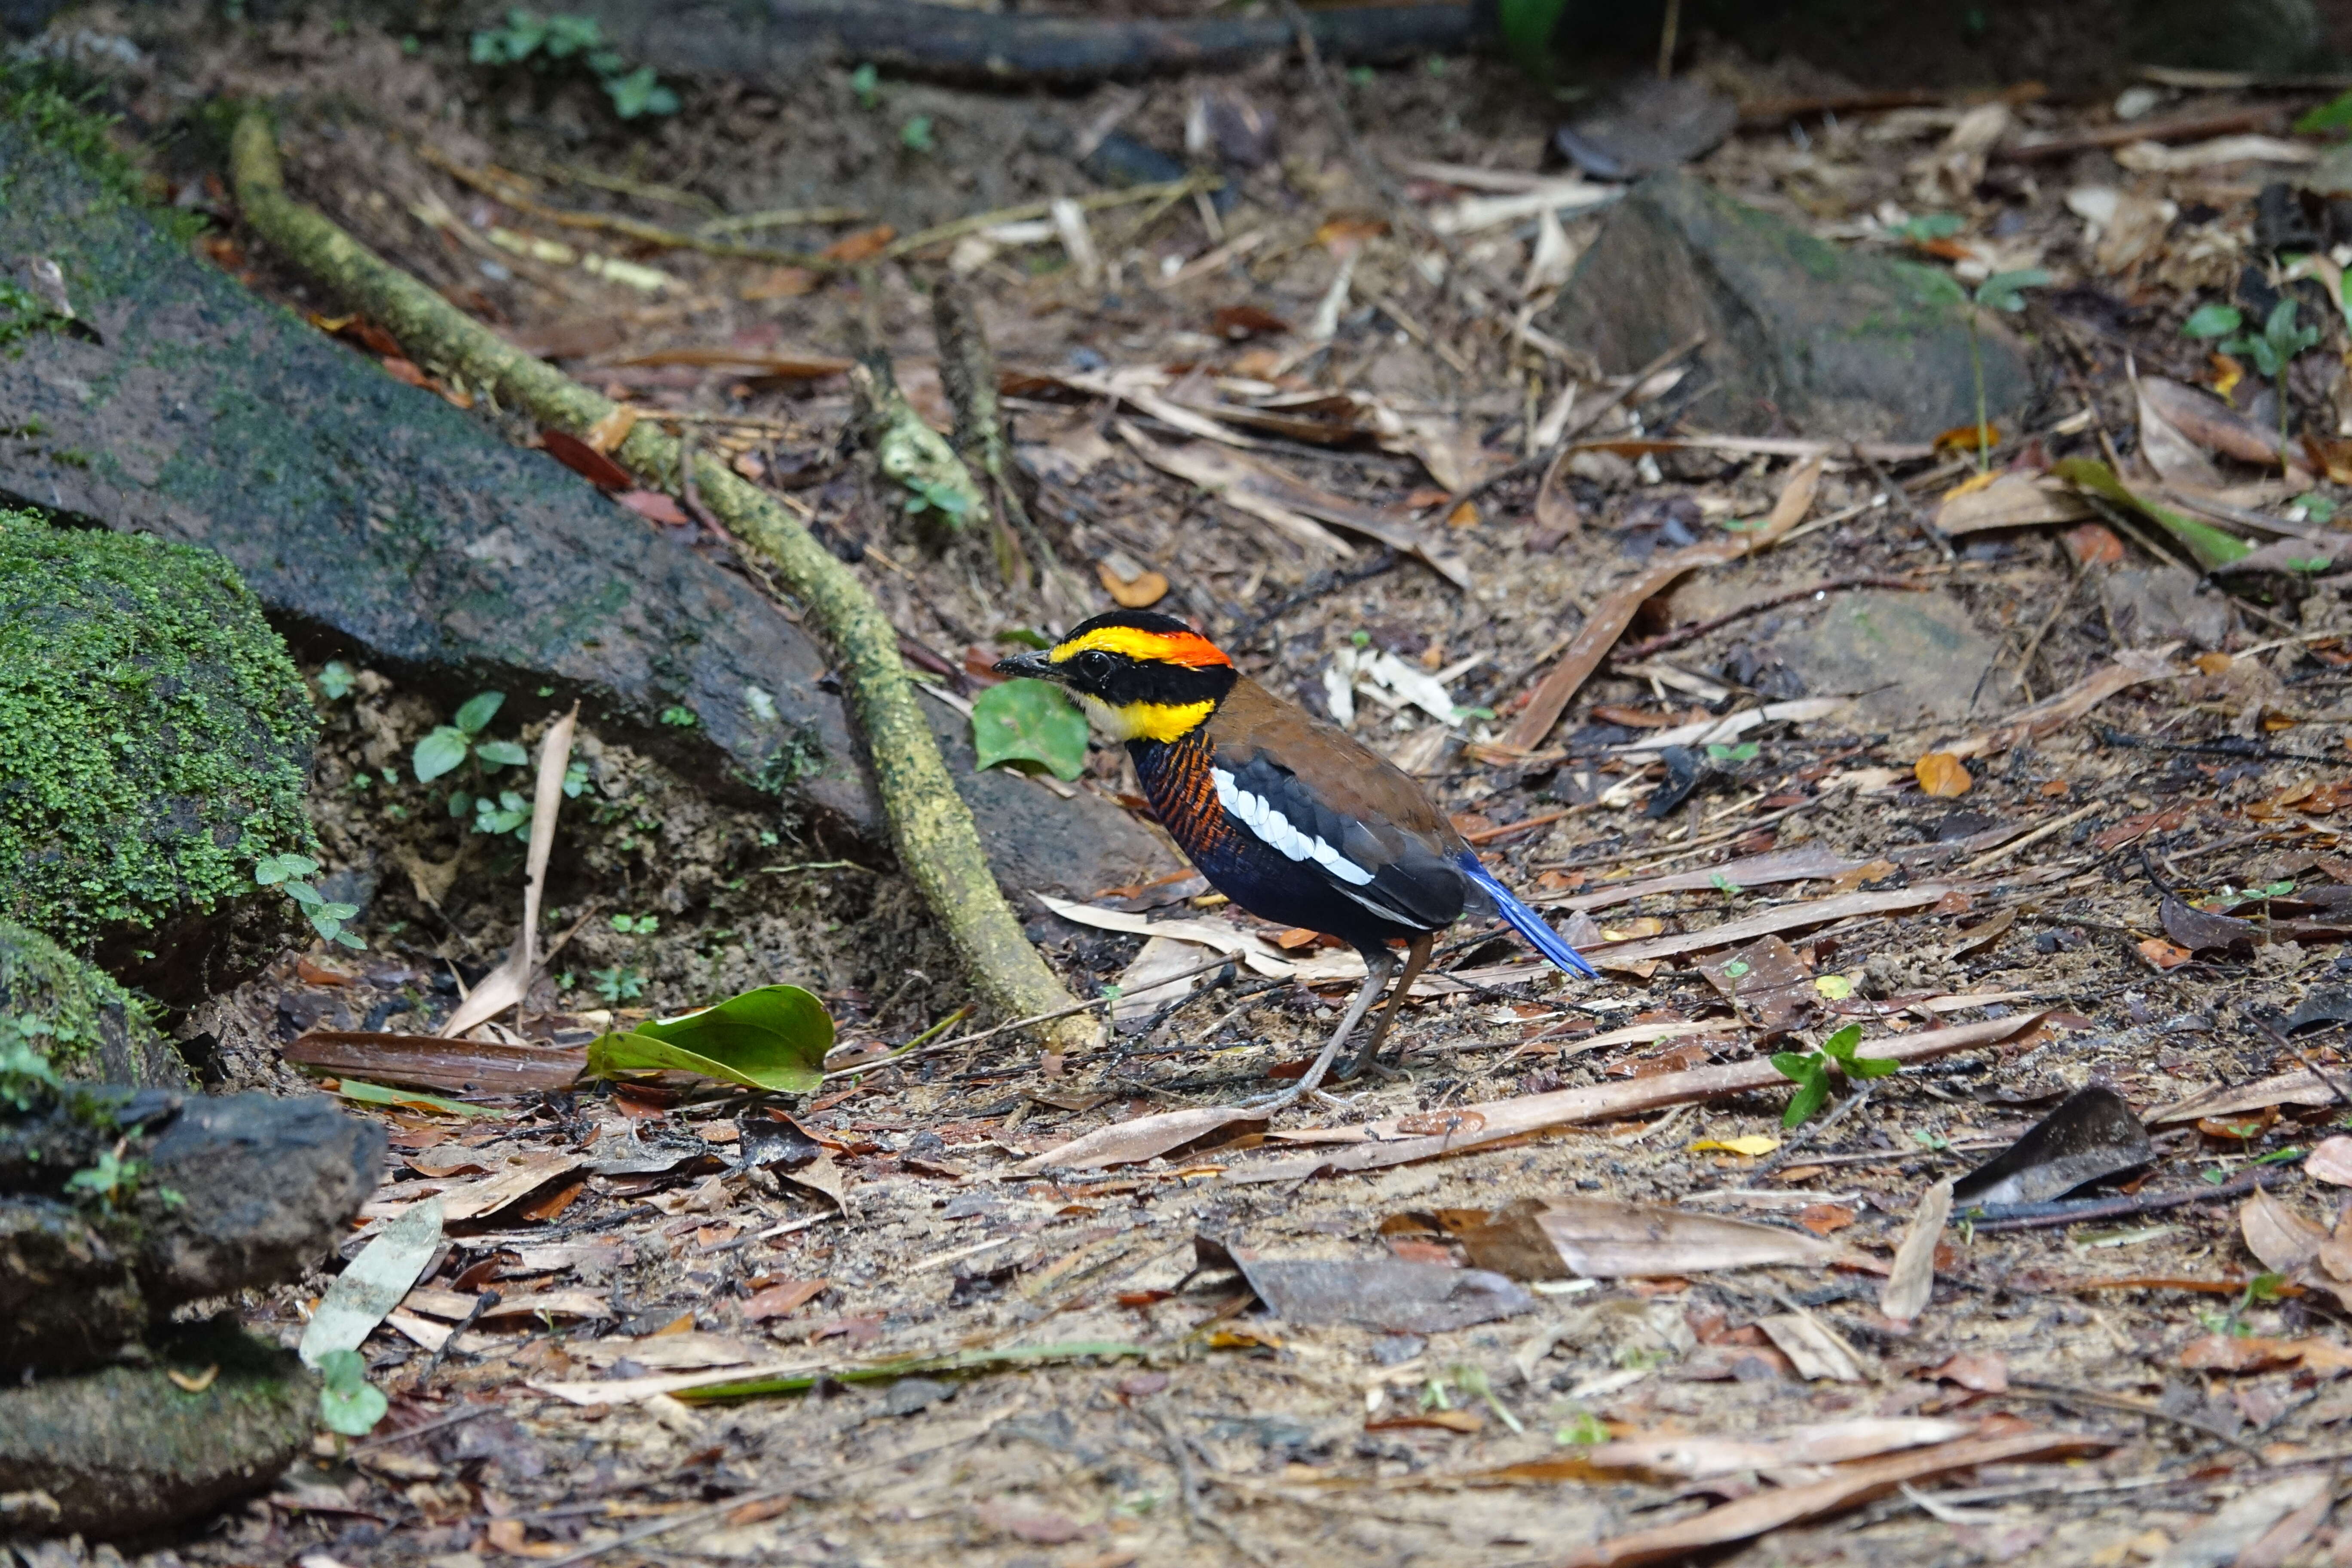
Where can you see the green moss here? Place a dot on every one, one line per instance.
(75, 1015)
(153, 734)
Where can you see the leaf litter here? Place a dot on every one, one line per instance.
(1616, 1151)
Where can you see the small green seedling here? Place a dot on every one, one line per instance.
(1730, 890)
(916, 135)
(529, 38)
(1813, 1072)
(618, 984)
(1746, 752)
(636, 925)
(1472, 1379)
(337, 679)
(1928, 226)
(111, 1181)
(1583, 1430)
(866, 83)
(2273, 348)
(25, 1076)
(292, 872)
(348, 1402)
(2005, 292)
(678, 717)
(450, 746)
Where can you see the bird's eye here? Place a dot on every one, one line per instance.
(1097, 665)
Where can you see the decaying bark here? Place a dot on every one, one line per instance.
(930, 827)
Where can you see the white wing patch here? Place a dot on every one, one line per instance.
(1261, 817)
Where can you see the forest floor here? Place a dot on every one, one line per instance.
(2133, 888)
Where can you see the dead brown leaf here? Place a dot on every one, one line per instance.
(2011, 500)
(1606, 1238)
(1912, 1281)
(2330, 1160)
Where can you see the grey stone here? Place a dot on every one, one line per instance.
(1801, 335)
(123, 1450)
(216, 1196)
(373, 519)
(2152, 604)
(1899, 655)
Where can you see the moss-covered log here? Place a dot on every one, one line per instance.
(154, 743)
(930, 827)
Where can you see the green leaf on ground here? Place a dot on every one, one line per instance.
(440, 751)
(2209, 545)
(2214, 321)
(411, 1099)
(348, 1402)
(479, 710)
(1032, 721)
(774, 1037)
(907, 1366)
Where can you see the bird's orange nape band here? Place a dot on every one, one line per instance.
(1190, 649)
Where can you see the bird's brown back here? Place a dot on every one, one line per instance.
(1349, 776)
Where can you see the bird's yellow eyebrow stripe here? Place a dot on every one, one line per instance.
(1188, 648)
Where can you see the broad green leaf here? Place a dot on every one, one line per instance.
(774, 1037)
(2216, 320)
(1795, 1065)
(440, 751)
(412, 1098)
(479, 710)
(502, 753)
(2209, 545)
(1872, 1066)
(1810, 1097)
(2332, 116)
(1930, 225)
(348, 1402)
(1841, 1044)
(1029, 720)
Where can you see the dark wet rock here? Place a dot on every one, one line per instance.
(200, 1198)
(125, 1449)
(154, 743)
(375, 520)
(1801, 335)
(77, 1017)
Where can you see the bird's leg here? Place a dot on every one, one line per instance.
(1416, 959)
(1379, 963)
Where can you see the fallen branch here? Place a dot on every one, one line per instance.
(930, 827)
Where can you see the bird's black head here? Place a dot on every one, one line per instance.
(1145, 677)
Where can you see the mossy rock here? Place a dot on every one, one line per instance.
(154, 743)
(77, 1017)
(124, 1450)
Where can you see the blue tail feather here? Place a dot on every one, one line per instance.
(1525, 921)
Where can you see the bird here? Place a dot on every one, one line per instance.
(1288, 817)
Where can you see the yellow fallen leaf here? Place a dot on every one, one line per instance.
(1752, 1144)
(1836, 987)
(1942, 774)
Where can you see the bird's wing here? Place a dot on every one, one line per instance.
(1388, 870)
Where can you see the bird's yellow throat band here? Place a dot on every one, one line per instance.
(1149, 720)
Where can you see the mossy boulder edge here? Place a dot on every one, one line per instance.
(155, 742)
(77, 1017)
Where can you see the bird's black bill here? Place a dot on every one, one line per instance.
(1036, 666)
